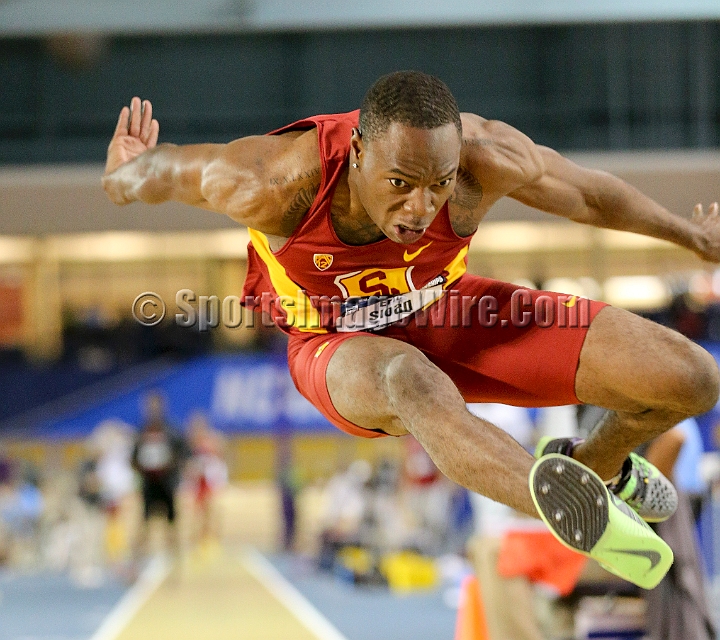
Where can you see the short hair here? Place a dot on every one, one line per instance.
(412, 98)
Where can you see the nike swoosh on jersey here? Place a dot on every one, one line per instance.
(653, 556)
(571, 302)
(409, 257)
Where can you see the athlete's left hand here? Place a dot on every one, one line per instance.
(709, 222)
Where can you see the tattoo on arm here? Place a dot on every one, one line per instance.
(467, 197)
(302, 175)
(299, 206)
(468, 191)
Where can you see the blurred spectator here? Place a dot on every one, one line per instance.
(711, 459)
(5, 487)
(678, 607)
(383, 528)
(345, 505)
(105, 480)
(113, 441)
(687, 469)
(5, 468)
(158, 457)
(207, 473)
(21, 507)
(289, 485)
(88, 525)
(427, 496)
(509, 602)
(461, 521)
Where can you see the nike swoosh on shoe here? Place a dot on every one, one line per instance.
(653, 556)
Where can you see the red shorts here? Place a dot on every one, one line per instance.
(496, 341)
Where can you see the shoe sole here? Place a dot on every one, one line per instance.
(648, 516)
(574, 503)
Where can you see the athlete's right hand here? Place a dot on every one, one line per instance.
(136, 132)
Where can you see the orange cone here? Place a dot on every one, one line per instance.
(471, 624)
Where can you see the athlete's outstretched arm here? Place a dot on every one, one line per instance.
(245, 179)
(603, 200)
(138, 170)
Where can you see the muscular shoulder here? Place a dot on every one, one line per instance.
(266, 182)
(504, 157)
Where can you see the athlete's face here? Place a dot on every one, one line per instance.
(405, 176)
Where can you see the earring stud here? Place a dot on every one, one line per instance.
(355, 165)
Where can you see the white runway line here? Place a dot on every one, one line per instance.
(150, 579)
(265, 573)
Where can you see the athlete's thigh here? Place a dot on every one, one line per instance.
(629, 363)
(357, 381)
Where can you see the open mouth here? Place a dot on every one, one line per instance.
(408, 235)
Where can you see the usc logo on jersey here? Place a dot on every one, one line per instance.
(322, 260)
(376, 282)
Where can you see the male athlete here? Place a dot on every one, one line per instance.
(376, 208)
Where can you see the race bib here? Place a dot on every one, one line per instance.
(377, 312)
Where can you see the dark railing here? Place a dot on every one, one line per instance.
(573, 87)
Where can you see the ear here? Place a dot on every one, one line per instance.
(356, 145)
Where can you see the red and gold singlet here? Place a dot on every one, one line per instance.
(384, 281)
(322, 291)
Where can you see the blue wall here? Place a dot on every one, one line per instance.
(240, 394)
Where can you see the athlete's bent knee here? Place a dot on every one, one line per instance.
(699, 380)
(707, 382)
(408, 376)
